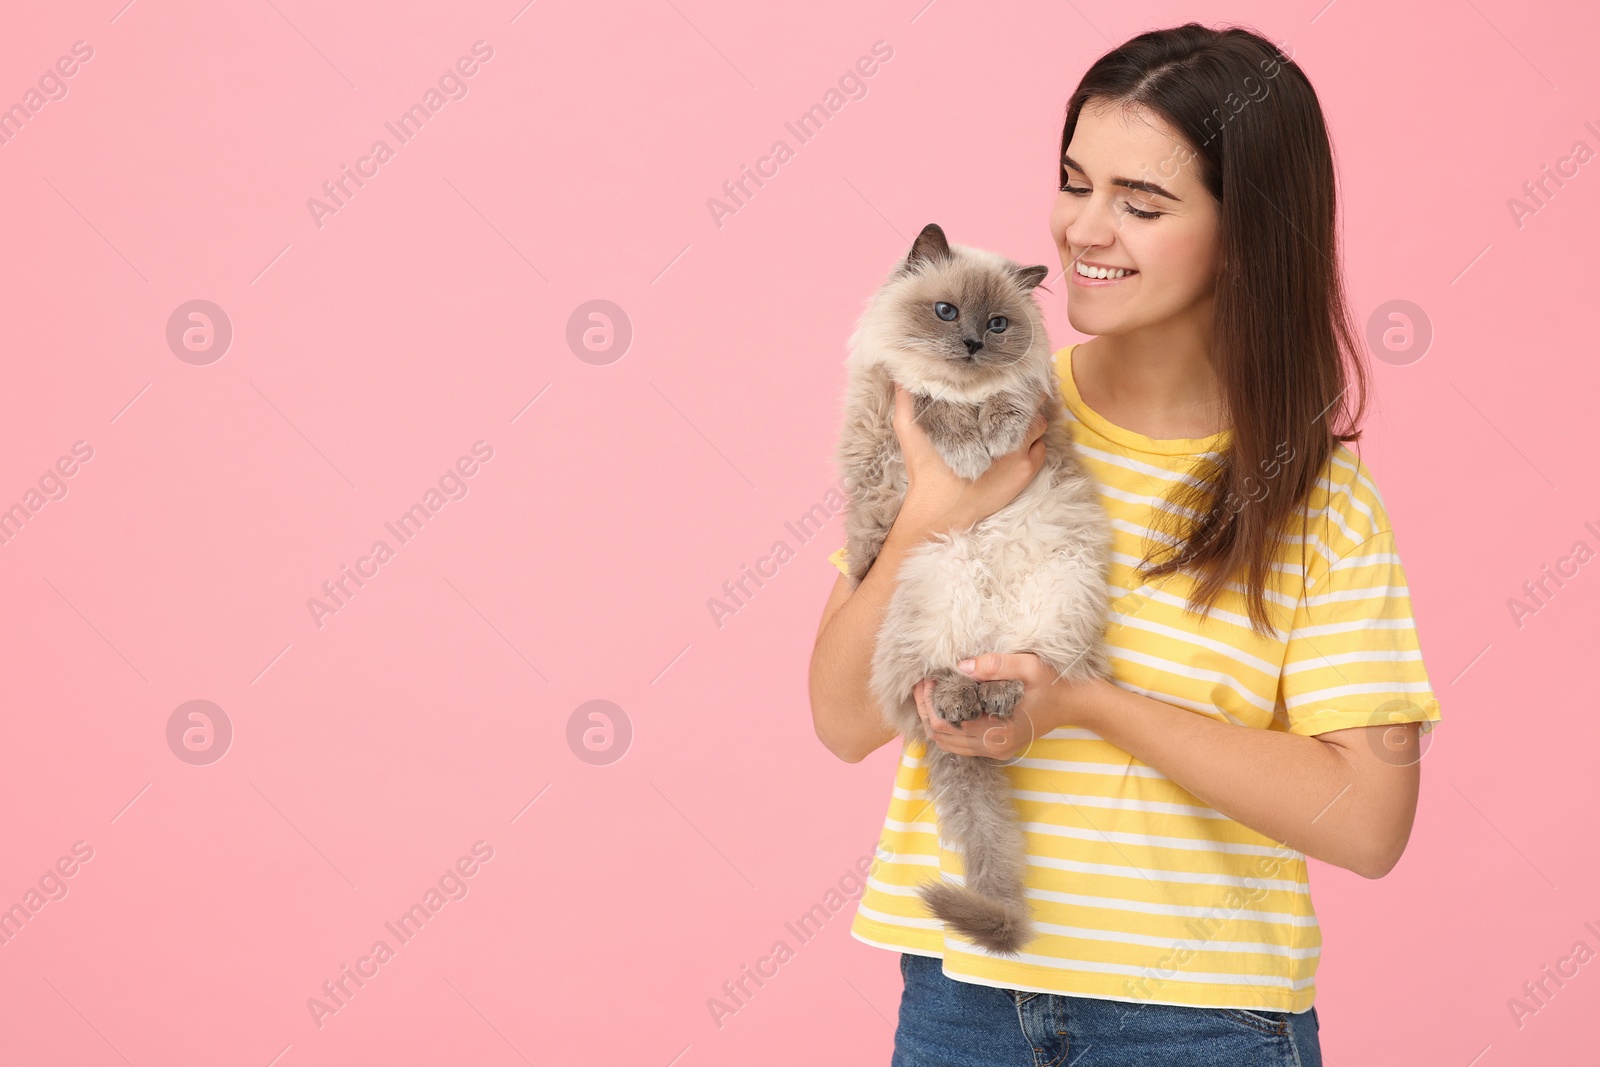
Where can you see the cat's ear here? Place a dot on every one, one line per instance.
(1028, 277)
(929, 245)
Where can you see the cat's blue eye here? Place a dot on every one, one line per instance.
(945, 311)
(998, 324)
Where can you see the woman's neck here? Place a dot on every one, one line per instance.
(1161, 387)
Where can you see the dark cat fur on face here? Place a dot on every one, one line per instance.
(958, 328)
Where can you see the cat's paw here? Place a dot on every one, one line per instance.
(1004, 424)
(957, 698)
(953, 430)
(954, 697)
(999, 696)
(969, 460)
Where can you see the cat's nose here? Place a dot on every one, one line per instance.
(973, 345)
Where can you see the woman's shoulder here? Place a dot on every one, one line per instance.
(1345, 507)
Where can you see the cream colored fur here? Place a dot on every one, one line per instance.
(1029, 578)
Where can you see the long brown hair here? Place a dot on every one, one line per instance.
(1281, 337)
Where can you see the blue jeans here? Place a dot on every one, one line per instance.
(946, 1023)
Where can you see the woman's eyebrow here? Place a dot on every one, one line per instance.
(1127, 183)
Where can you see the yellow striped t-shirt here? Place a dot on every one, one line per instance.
(1139, 891)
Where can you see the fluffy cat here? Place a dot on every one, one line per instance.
(958, 328)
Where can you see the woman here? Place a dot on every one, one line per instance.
(1268, 683)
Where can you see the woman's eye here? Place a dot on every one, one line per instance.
(998, 324)
(1084, 191)
(947, 312)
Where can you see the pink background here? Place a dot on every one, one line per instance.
(433, 709)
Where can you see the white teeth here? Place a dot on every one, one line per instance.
(1102, 272)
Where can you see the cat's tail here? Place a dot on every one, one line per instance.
(972, 795)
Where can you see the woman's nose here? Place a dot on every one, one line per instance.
(1090, 228)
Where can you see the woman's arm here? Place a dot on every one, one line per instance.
(846, 717)
(1347, 797)
(1333, 795)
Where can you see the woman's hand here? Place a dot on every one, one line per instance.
(939, 500)
(1046, 704)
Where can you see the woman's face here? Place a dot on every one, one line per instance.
(1165, 229)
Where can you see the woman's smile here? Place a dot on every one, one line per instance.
(1099, 276)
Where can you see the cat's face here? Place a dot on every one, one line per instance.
(960, 317)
